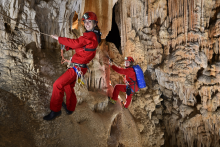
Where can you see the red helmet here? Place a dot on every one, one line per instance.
(130, 59)
(90, 16)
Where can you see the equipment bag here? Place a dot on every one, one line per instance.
(139, 76)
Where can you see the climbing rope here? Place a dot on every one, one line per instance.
(63, 60)
(22, 24)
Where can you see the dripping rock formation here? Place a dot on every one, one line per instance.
(176, 43)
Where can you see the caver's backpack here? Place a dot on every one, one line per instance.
(139, 76)
(140, 80)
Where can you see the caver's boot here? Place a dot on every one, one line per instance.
(123, 105)
(111, 100)
(67, 111)
(52, 115)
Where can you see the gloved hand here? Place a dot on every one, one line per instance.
(110, 62)
(123, 105)
(54, 37)
(62, 47)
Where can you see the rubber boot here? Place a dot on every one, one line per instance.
(52, 115)
(123, 105)
(111, 100)
(67, 111)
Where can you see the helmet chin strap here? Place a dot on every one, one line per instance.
(91, 30)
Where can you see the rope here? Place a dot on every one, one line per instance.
(63, 60)
(23, 24)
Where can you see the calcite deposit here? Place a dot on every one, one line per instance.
(176, 43)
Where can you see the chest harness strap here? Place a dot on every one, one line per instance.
(128, 87)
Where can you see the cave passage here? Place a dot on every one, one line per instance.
(114, 34)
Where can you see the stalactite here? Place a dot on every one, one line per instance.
(177, 8)
(216, 47)
(169, 9)
(189, 14)
(202, 14)
(146, 8)
(152, 15)
(185, 20)
(218, 42)
(192, 14)
(182, 10)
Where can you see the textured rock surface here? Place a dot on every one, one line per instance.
(26, 76)
(176, 42)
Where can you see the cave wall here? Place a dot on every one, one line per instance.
(176, 42)
(29, 65)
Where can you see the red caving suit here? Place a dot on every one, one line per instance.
(128, 72)
(66, 82)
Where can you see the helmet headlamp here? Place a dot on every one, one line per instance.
(86, 16)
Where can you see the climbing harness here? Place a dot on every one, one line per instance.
(89, 49)
(79, 78)
(129, 90)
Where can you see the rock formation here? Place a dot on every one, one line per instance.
(176, 43)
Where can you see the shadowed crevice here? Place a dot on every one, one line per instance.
(114, 34)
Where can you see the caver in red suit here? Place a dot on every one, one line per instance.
(66, 82)
(128, 72)
(85, 50)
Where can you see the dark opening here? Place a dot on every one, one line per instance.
(8, 28)
(114, 35)
(198, 99)
(215, 58)
(199, 73)
(121, 145)
(213, 19)
(100, 83)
